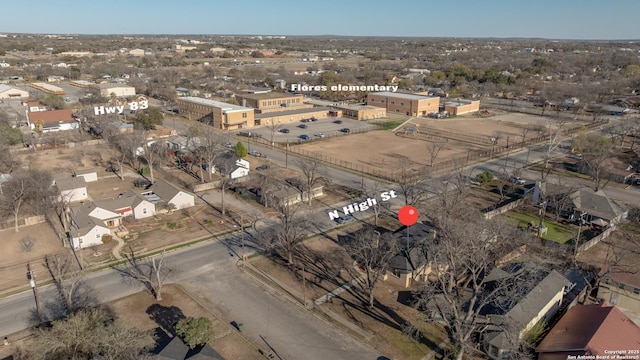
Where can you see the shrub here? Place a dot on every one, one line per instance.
(106, 238)
(484, 177)
(172, 225)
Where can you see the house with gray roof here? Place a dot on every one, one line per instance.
(596, 205)
(71, 189)
(92, 220)
(232, 166)
(163, 193)
(509, 321)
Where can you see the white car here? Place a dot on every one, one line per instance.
(320, 135)
(517, 180)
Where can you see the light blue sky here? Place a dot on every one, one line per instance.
(555, 19)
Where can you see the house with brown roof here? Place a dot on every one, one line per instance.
(590, 330)
(53, 120)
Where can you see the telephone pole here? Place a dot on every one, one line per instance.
(31, 276)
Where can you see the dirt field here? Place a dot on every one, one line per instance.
(13, 260)
(385, 151)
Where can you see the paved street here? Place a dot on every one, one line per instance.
(210, 271)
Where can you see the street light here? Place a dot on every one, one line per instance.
(493, 145)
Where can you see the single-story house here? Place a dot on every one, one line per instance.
(10, 92)
(410, 264)
(589, 331)
(233, 166)
(507, 326)
(176, 349)
(166, 193)
(89, 175)
(53, 120)
(72, 189)
(620, 285)
(92, 220)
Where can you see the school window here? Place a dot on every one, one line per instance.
(393, 102)
(636, 291)
(244, 115)
(621, 285)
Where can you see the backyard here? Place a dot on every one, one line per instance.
(556, 232)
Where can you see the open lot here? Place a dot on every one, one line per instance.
(385, 151)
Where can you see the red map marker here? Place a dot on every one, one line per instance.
(408, 215)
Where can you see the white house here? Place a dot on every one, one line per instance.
(232, 166)
(9, 92)
(120, 90)
(89, 175)
(92, 220)
(72, 189)
(164, 192)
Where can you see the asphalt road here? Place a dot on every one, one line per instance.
(210, 271)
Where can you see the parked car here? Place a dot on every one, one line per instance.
(304, 137)
(517, 180)
(229, 145)
(337, 121)
(576, 157)
(345, 130)
(284, 131)
(302, 126)
(141, 183)
(262, 167)
(344, 219)
(320, 135)
(255, 153)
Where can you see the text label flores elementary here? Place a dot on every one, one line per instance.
(340, 87)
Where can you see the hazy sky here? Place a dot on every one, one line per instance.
(555, 19)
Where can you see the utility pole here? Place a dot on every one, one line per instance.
(542, 212)
(31, 276)
(304, 287)
(286, 156)
(577, 242)
(242, 229)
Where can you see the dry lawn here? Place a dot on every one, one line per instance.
(326, 267)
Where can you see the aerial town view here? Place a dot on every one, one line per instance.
(330, 180)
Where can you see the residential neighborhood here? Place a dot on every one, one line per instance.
(195, 196)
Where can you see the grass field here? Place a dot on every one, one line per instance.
(555, 232)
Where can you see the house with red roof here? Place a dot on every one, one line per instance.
(591, 330)
(53, 120)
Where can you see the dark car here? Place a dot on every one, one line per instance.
(302, 126)
(141, 183)
(262, 167)
(345, 130)
(304, 137)
(344, 219)
(284, 131)
(337, 121)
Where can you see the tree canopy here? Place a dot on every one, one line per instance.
(241, 150)
(149, 118)
(195, 331)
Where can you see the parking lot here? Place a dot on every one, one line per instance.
(322, 128)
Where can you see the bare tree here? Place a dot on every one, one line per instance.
(287, 232)
(312, 170)
(373, 192)
(89, 334)
(464, 252)
(127, 146)
(15, 194)
(433, 149)
(372, 252)
(273, 128)
(554, 130)
(70, 282)
(152, 272)
(209, 148)
(412, 184)
(596, 150)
